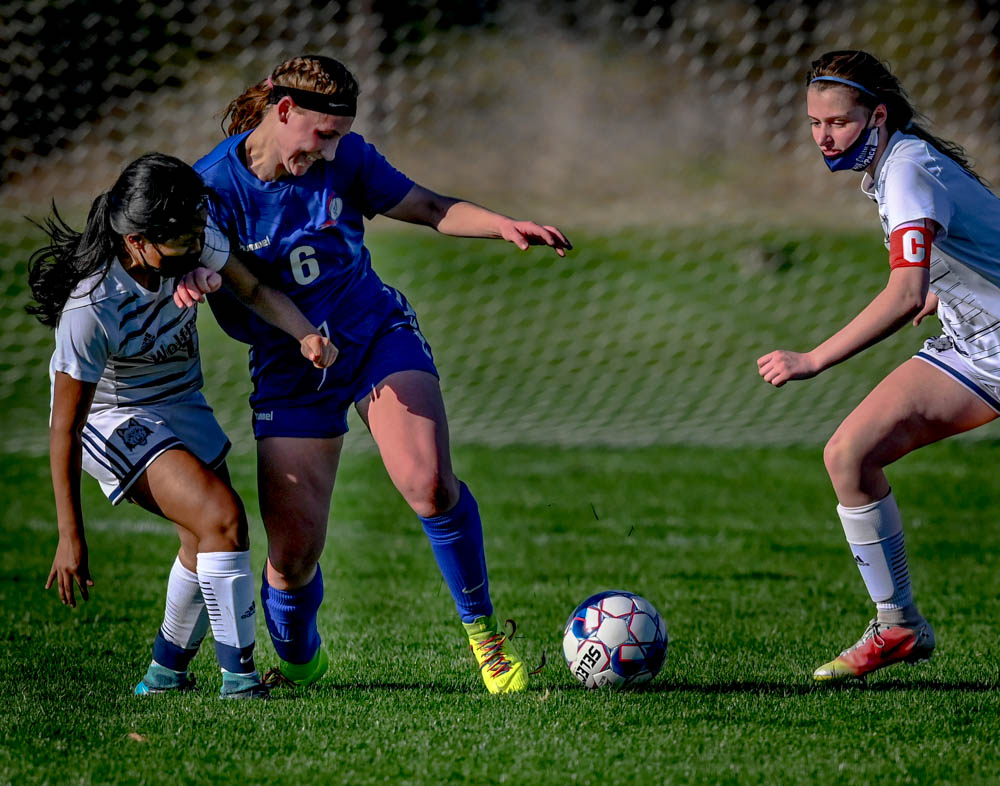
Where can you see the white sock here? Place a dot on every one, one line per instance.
(875, 535)
(227, 585)
(185, 621)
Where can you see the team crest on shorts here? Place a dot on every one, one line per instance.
(133, 433)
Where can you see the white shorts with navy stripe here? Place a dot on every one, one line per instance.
(119, 444)
(941, 353)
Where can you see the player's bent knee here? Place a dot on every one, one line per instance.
(429, 493)
(844, 458)
(295, 569)
(223, 525)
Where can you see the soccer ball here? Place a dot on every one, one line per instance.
(615, 638)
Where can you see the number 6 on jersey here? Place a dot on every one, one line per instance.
(305, 266)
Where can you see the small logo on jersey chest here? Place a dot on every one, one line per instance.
(334, 207)
(258, 244)
(147, 343)
(133, 433)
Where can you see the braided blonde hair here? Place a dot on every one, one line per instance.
(306, 72)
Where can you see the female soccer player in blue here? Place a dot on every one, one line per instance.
(299, 184)
(942, 230)
(127, 406)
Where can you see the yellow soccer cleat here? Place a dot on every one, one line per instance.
(501, 667)
(881, 645)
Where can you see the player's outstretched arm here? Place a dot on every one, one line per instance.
(459, 218)
(71, 400)
(902, 300)
(278, 309)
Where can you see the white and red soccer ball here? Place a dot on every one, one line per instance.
(615, 639)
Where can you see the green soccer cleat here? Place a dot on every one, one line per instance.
(243, 686)
(501, 667)
(881, 645)
(299, 675)
(160, 679)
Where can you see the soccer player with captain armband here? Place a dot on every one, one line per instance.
(942, 230)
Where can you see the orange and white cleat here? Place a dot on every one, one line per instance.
(881, 645)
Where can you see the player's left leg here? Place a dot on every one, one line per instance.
(406, 417)
(916, 405)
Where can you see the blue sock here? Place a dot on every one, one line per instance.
(291, 618)
(457, 541)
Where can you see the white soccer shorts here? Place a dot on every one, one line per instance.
(119, 444)
(941, 353)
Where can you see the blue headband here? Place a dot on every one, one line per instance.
(847, 82)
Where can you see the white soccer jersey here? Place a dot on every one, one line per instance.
(912, 181)
(137, 345)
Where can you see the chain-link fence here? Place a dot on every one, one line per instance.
(668, 138)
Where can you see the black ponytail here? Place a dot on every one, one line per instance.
(55, 270)
(157, 196)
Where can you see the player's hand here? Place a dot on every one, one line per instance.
(780, 366)
(70, 565)
(319, 350)
(193, 287)
(524, 234)
(930, 307)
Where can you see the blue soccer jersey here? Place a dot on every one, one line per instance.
(307, 233)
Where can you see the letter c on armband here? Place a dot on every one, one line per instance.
(910, 246)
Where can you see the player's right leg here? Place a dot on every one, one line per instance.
(180, 487)
(917, 404)
(295, 482)
(185, 623)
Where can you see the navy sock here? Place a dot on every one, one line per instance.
(168, 654)
(237, 660)
(457, 541)
(291, 618)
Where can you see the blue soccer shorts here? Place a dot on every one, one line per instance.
(320, 410)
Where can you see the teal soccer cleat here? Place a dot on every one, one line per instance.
(243, 686)
(160, 679)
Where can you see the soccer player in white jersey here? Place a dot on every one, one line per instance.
(942, 230)
(127, 406)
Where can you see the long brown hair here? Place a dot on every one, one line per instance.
(884, 88)
(307, 72)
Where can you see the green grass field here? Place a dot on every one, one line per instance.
(738, 547)
(740, 550)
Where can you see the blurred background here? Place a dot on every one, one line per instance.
(668, 139)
